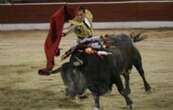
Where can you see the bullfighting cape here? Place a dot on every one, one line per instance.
(51, 45)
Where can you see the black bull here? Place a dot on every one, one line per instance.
(98, 74)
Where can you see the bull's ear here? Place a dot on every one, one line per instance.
(56, 70)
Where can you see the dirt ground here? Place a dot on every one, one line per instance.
(21, 88)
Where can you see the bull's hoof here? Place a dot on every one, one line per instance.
(95, 108)
(147, 89)
(129, 107)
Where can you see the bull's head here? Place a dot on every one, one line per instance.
(73, 79)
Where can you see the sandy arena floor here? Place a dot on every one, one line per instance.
(21, 88)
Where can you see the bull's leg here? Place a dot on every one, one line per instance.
(140, 70)
(97, 102)
(127, 81)
(123, 92)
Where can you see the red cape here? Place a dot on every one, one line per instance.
(52, 42)
(53, 39)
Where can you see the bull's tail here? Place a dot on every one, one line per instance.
(137, 37)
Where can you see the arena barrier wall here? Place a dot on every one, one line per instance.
(125, 11)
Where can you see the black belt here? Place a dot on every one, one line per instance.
(81, 38)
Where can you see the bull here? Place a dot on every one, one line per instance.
(98, 74)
